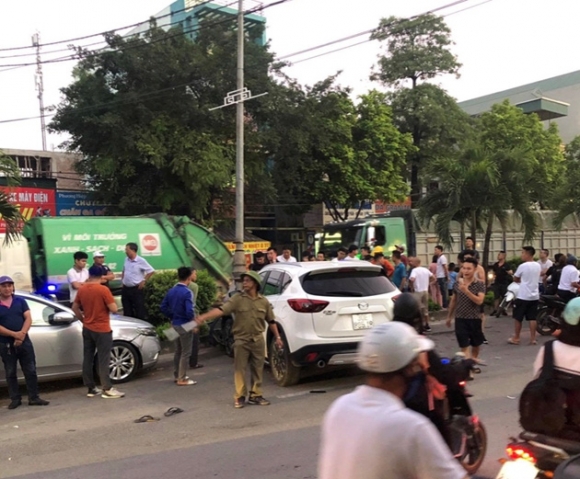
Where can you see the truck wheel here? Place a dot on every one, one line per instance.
(284, 372)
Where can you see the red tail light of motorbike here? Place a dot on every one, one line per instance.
(519, 452)
(462, 383)
(307, 305)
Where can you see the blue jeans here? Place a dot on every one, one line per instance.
(23, 354)
(442, 282)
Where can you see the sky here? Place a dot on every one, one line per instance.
(501, 44)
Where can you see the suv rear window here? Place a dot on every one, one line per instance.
(347, 283)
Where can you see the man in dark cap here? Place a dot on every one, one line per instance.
(15, 345)
(252, 312)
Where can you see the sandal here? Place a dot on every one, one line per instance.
(173, 410)
(515, 342)
(146, 418)
(476, 370)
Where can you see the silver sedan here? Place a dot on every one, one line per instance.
(58, 342)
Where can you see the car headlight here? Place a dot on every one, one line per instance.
(147, 331)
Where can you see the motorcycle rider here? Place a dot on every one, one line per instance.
(567, 366)
(369, 433)
(421, 394)
(553, 275)
(569, 280)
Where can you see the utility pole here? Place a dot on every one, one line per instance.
(239, 255)
(238, 97)
(39, 87)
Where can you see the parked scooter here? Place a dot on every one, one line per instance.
(468, 435)
(549, 312)
(536, 456)
(508, 299)
(220, 334)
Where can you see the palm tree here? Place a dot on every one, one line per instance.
(478, 187)
(9, 212)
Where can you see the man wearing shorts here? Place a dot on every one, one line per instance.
(468, 296)
(419, 281)
(526, 304)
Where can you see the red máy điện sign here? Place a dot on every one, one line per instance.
(33, 202)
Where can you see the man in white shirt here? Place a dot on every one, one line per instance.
(419, 282)
(369, 433)
(569, 280)
(352, 254)
(545, 263)
(526, 304)
(442, 275)
(287, 256)
(78, 274)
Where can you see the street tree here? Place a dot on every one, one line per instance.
(566, 199)
(138, 112)
(9, 211)
(329, 150)
(418, 50)
(512, 167)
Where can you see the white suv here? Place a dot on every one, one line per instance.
(322, 310)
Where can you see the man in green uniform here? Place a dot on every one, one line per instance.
(251, 313)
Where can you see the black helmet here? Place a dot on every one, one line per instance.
(408, 310)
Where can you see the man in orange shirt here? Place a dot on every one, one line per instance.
(92, 306)
(385, 263)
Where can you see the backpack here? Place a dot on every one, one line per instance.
(543, 402)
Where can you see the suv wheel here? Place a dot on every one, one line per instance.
(284, 372)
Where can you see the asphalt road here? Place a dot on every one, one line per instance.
(78, 437)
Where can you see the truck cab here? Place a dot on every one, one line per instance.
(386, 230)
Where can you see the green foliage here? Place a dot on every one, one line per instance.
(433, 306)
(207, 292)
(417, 49)
(160, 328)
(326, 149)
(160, 283)
(514, 263)
(489, 298)
(566, 198)
(139, 114)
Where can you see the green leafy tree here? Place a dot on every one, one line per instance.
(9, 212)
(566, 199)
(418, 50)
(328, 150)
(139, 114)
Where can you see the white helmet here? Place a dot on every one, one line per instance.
(390, 347)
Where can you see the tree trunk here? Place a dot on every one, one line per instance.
(486, 245)
(474, 228)
(462, 233)
(415, 186)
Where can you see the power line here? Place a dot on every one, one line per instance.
(106, 31)
(74, 57)
(101, 42)
(370, 31)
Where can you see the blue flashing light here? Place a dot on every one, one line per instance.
(51, 288)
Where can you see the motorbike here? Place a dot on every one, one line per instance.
(549, 312)
(508, 299)
(467, 433)
(537, 456)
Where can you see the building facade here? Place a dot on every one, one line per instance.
(555, 99)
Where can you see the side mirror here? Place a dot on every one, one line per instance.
(63, 318)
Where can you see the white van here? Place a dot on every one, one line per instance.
(15, 262)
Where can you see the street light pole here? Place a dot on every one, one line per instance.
(239, 255)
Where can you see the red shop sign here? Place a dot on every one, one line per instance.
(33, 202)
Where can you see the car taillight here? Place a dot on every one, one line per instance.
(517, 451)
(394, 298)
(307, 305)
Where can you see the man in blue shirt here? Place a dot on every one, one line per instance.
(178, 305)
(136, 271)
(15, 345)
(399, 277)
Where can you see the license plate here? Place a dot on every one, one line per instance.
(362, 321)
(519, 469)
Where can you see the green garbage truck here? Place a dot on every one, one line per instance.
(166, 242)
